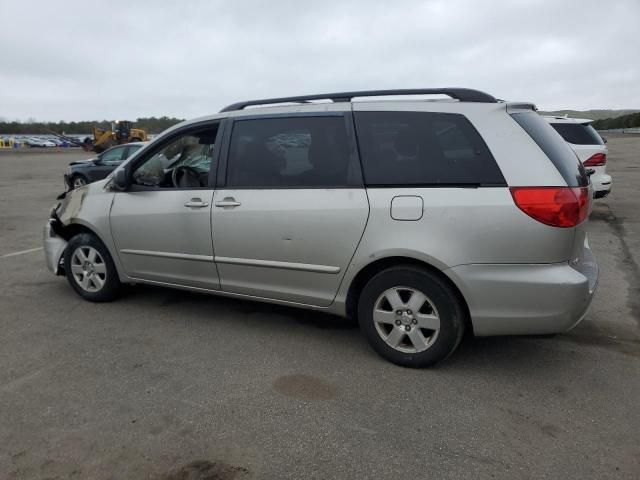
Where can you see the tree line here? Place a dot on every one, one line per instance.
(150, 124)
(157, 125)
(631, 120)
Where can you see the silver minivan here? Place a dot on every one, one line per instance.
(423, 219)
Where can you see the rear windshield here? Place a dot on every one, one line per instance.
(578, 133)
(554, 147)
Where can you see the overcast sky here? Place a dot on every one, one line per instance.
(75, 60)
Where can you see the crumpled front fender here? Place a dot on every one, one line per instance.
(54, 247)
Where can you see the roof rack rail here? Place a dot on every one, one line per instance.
(461, 94)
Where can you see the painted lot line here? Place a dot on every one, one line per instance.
(22, 252)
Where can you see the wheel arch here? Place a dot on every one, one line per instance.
(78, 226)
(75, 228)
(371, 269)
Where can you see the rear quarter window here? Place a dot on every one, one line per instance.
(423, 149)
(578, 133)
(554, 147)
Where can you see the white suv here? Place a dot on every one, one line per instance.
(589, 147)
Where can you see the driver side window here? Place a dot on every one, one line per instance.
(183, 162)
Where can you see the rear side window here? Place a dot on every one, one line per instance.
(423, 149)
(295, 152)
(554, 147)
(578, 133)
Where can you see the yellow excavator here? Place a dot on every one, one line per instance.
(121, 131)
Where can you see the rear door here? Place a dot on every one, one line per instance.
(562, 157)
(290, 208)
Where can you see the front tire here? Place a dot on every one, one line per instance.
(411, 316)
(78, 181)
(90, 269)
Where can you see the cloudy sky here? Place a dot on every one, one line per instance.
(74, 60)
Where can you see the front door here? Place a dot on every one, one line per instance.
(292, 210)
(161, 226)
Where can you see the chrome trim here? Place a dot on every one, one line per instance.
(178, 256)
(305, 267)
(224, 293)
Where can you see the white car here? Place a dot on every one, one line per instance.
(39, 142)
(590, 148)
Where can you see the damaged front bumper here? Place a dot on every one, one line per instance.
(54, 246)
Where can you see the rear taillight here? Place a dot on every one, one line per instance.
(596, 160)
(555, 206)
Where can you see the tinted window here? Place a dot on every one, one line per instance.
(423, 148)
(291, 152)
(578, 133)
(554, 147)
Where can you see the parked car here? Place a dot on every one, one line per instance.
(82, 172)
(60, 142)
(38, 142)
(590, 148)
(436, 218)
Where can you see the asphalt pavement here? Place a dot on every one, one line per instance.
(165, 384)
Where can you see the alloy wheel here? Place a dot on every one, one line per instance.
(406, 319)
(88, 269)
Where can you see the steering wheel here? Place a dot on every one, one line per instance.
(184, 176)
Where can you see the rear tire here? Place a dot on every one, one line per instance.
(90, 270)
(411, 316)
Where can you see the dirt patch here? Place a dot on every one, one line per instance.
(305, 387)
(629, 347)
(205, 470)
(551, 430)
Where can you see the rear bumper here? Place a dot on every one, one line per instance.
(515, 299)
(601, 185)
(54, 246)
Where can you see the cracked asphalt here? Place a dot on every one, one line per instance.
(165, 384)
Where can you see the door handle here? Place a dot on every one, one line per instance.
(196, 203)
(228, 202)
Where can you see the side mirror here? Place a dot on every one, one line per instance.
(120, 180)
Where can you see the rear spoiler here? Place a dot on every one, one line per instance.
(514, 107)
